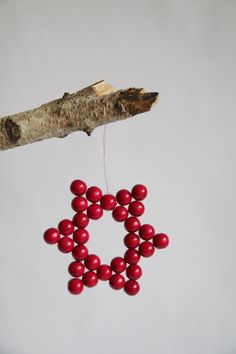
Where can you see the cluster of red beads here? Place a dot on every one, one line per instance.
(140, 240)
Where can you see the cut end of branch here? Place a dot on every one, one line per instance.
(137, 101)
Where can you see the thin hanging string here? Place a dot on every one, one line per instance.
(104, 155)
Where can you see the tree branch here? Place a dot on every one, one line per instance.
(84, 110)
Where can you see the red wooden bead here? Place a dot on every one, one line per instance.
(81, 220)
(79, 204)
(134, 272)
(146, 249)
(75, 286)
(65, 244)
(131, 287)
(131, 240)
(94, 194)
(80, 252)
(136, 208)
(118, 264)
(108, 202)
(94, 211)
(120, 213)
(51, 236)
(132, 224)
(81, 236)
(92, 262)
(123, 197)
(76, 269)
(132, 256)
(66, 227)
(160, 240)
(104, 272)
(117, 281)
(146, 232)
(90, 279)
(78, 187)
(139, 192)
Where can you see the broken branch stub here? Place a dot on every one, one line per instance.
(84, 110)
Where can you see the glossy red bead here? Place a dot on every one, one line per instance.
(78, 187)
(94, 211)
(136, 208)
(94, 194)
(118, 264)
(76, 268)
(120, 213)
(66, 227)
(132, 224)
(81, 220)
(160, 240)
(146, 249)
(134, 272)
(80, 252)
(117, 281)
(90, 279)
(131, 240)
(104, 272)
(131, 256)
(146, 232)
(131, 287)
(123, 197)
(108, 202)
(79, 204)
(51, 236)
(81, 236)
(139, 192)
(92, 262)
(75, 286)
(65, 244)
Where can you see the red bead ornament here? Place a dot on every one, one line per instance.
(76, 269)
(131, 287)
(146, 249)
(160, 240)
(65, 244)
(104, 272)
(146, 232)
(51, 236)
(136, 208)
(79, 204)
(123, 197)
(81, 220)
(89, 204)
(81, 236)
(134, 272)
(132, 224)
(75, 286)
(94, 194)
(118, 264)
(108, 202)
(117, 281)
(66, 227)
(131, 240)
(131, 256)
(94, 211)
(78, 187)
(139, 192)
(92, 262)
(120, 213)
(80, 252)
(90, 279)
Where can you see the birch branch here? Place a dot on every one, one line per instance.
(84, 110)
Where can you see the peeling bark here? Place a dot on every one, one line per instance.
(84, 110)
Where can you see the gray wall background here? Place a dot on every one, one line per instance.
(183, 150)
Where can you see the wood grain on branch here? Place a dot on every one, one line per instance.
(84, 110)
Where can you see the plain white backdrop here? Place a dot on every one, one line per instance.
(183, 150)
